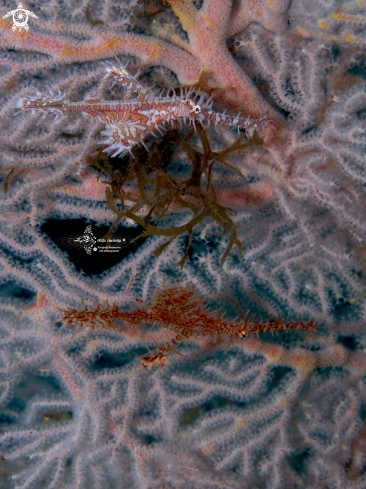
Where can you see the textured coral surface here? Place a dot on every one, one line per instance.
(277, 411)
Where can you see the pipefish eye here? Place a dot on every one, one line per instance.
(196, 109)
(243, 334)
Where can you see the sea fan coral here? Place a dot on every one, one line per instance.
(274, 411)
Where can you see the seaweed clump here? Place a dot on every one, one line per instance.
(157, 190)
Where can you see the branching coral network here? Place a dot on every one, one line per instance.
(274, 411)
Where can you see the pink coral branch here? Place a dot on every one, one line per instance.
(149, 49)
(207, 31)
(270, 14)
